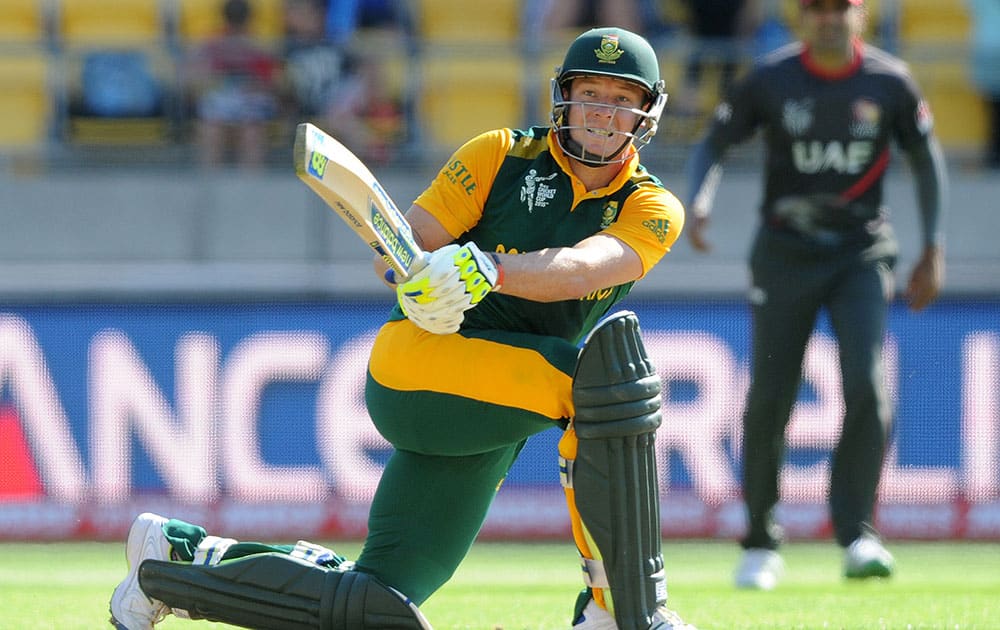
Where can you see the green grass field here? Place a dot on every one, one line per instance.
(66, 586)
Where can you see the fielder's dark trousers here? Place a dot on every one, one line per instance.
(791, 284)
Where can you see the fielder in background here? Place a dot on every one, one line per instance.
(534, 236)
(829, 107)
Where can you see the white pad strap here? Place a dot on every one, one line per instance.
(566, 472)
(211, 549)
(594, 575)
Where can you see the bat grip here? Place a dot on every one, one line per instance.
(420, 263)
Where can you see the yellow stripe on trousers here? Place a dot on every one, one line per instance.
(407, 358)
(585, 544)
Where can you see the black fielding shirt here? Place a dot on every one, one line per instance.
(827, 136)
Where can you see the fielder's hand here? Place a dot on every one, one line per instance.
(695, 229)
(926, 279)
(454, 280)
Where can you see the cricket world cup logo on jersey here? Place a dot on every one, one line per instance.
(535, 192)
(865, 117)
(797, 116)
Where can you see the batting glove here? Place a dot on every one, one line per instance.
(454, 280)
(480, 272)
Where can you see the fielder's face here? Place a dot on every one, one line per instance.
(601, 116)
(830, 26)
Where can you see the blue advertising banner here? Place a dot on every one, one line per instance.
(250, 415)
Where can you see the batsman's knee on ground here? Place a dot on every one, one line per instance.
(274, 590)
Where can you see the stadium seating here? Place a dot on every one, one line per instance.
(933, 35)
(88, 123)
(26, 105)
(464, 95)
(933, 22)
(472, 75)
(472, 72)
(960, 116)
(84, 30)
(107, 23)
(196, 20)
(483, 23)
(23, 22)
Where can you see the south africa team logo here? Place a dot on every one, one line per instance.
(609, 51)
(608, 214)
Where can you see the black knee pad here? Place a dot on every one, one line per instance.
(616, 393)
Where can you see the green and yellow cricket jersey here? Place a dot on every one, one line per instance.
(512, 191)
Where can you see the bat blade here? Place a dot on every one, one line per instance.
(343, 181)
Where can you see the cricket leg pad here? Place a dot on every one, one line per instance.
(274, 591)
(616, 393)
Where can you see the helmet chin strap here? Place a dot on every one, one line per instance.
(576, 151)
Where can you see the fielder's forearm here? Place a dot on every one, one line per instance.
(703, 173)
(931, 180)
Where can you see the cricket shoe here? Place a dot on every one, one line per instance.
(866, 558)
(593, 617)
(666, 619)
(760, 569)
(130, 608)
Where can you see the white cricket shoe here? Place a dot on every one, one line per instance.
(130, 608)
(866, 558)
(759, 569)
(666, 619)
(594, 617)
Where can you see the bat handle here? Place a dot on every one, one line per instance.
(420, 263)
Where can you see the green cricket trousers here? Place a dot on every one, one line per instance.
(457, 409)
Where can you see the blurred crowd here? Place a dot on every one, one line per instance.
(240, 88)
(233, 96)
(225, 79)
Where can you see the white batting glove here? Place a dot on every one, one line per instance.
(440, 321)
(454, 280)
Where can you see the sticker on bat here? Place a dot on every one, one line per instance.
(317, 164)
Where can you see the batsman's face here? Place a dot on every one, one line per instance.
(602, 114)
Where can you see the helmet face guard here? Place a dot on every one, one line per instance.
(618, 54)
(616, 141)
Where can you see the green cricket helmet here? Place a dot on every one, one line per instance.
(616, 53)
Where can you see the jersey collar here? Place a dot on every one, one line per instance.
(834, 75)
(579, 192)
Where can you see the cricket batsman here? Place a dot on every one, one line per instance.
(535, 235)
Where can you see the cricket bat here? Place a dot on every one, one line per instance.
(342, 180)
